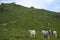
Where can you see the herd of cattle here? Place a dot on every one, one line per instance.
(44, 33)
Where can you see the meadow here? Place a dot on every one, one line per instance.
(16, 20)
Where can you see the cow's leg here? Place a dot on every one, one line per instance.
(34, 36)
(42, 37)
(55, 35)
(48, 37)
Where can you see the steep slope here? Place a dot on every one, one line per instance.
(15, 20)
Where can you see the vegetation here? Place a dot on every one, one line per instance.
(19, 19)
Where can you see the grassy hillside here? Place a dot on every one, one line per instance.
(15, 20)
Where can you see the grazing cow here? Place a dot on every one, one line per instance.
(45, 33)
(54, 33)
(32, 33)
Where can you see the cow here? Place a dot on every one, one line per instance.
(45, 33)
(32, 33)
(54, 33)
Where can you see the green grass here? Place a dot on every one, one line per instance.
(25, 19)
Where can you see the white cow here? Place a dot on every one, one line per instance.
(32, 33)
(45, 33)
